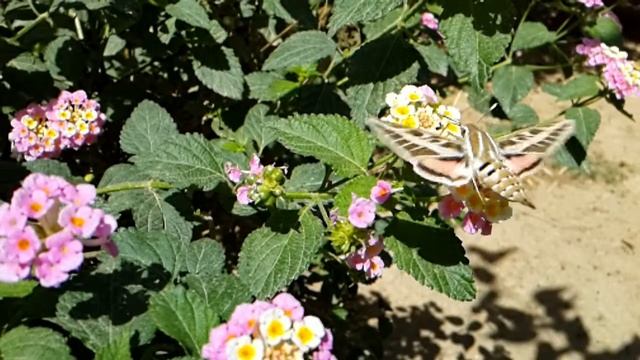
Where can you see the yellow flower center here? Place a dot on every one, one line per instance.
(35, 207)
(77, 221)
(402, 110)
(413, 97)
(246, 352)
(275, 329)
(305, 335)
(24, 245)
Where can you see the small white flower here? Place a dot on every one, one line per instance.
(275, 326)
(412, 93)
(614, 52)
(450, 112)
(392, 99)
(243, 348)
(402, 111)
(308, 333)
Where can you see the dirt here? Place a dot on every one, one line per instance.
(558, 282)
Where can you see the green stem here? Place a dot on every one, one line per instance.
(42, 17)
(134, 185)
(524, 17)
(319, 197)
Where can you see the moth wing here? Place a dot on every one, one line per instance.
(434, 158)
(525, 149)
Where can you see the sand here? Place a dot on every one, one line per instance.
(558, 282)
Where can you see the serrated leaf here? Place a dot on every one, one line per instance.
(306, 177)
(523, 115)
(269, 86)
(350, 12)
(269, 260)
(222, 75)
(436, 59)
(531, 35)
(382, 59)
(113, 46)
(476, 35)
(183, 315)
(290, 11)
(146, 130)
(146, 248)
(17, 290)
(117, 349)
(360, 186)
(582, 86)
(255, 127)
(511, 84)
(376, 28)
(204, 257)
(301, 48)
(63, 58)
(221, 293)
(194, 14)
(587, 123)
(51, 167)
(431, 255)
(33, 343)
(367, 100)
(332, 139)
(27, 62)
(186, 160)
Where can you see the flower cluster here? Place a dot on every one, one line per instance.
(68, 121)
(592, 3)
(429, 21)
(45, 227)
(419, 107)
(259, 184)
(620, 74)
(270, 330)
(356, 230)
(483, 209)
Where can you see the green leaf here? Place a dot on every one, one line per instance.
(224, 76)
(269, 86)
(255, 127)
(269, 260)
(221, 293)
(435, 58)
(367, 100)
(329, 138)
(582, 86)
(64, 58)
(301, 48)
(531, 35)
(431, 255)
(587, 123)
(146, 248)
(204, 257)
(51, 167)
(17, 290)
(150, 207)
(350, 12)
(117, 349)
(607, 30)
(360, 186)
(511, 84)
(27, 62)
(291, 11)
(523, 115)
(146, 130)
(114, 44)
(476, 34)
(306, 177)
(33, 343)
(183, 315)
(186, 160)
(194, 14)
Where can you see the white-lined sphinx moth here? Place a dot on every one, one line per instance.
(496, 164)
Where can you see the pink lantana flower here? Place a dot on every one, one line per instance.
(23, 245)
(233, 172)
(81, 221)
(428, 94)
(290, 305)
(242, 195)
(244, 319)
(474, 223)
(325, 347)
(367, 258)
(592, 3)
(79, 195)
(11, 221)
(362, 212)
(381, 192)
(255, 167)
(449, 207)
(430, 21)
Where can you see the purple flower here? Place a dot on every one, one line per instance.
(244, 319)
(592, 3)
(81, 221)
(233, 172)
(242, 195)
(290, 305)
(362, 212)
(449, 207)
(474, 223)
(381, 192)
(367, 259)
(428, 94)
(255, 167)
(429, 20)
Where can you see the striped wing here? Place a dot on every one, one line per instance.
(434, 158)
(525, 149)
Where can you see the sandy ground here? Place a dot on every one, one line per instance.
(559, 282)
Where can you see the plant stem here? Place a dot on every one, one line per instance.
(524, 17)
(318, 197)
(134, 185)
(42, 17)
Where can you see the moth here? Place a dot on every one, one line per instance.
(497, 164)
